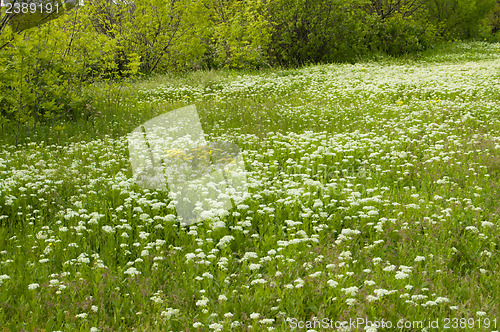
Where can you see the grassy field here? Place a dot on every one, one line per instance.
(373, 195)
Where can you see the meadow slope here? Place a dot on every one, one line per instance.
(373, 193)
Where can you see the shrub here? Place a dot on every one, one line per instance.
(332, 30)
(46, 68)
(397, 35)
(494, 18)
(459, 19)
(318, 30)
(155, 34)
(240, 34)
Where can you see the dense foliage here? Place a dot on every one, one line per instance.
(48, 59)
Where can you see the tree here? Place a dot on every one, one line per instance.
(159, 32)
(241, 32)
(318, 30)
(494, 18)
(45, 69)
(460, 19)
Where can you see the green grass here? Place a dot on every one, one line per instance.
(373, 194)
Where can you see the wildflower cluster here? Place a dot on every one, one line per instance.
(371, 189)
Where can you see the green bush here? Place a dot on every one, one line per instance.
(459, 19)
(154, 35)
(45, 70)
(332, 30)
(397, 35)
(37, 84)
(318, 30)
(494, 18)
(240, 34)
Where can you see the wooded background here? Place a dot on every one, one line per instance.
(46, 59)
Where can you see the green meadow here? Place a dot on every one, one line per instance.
(373, 196)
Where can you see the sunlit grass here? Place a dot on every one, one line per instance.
(373, 193)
